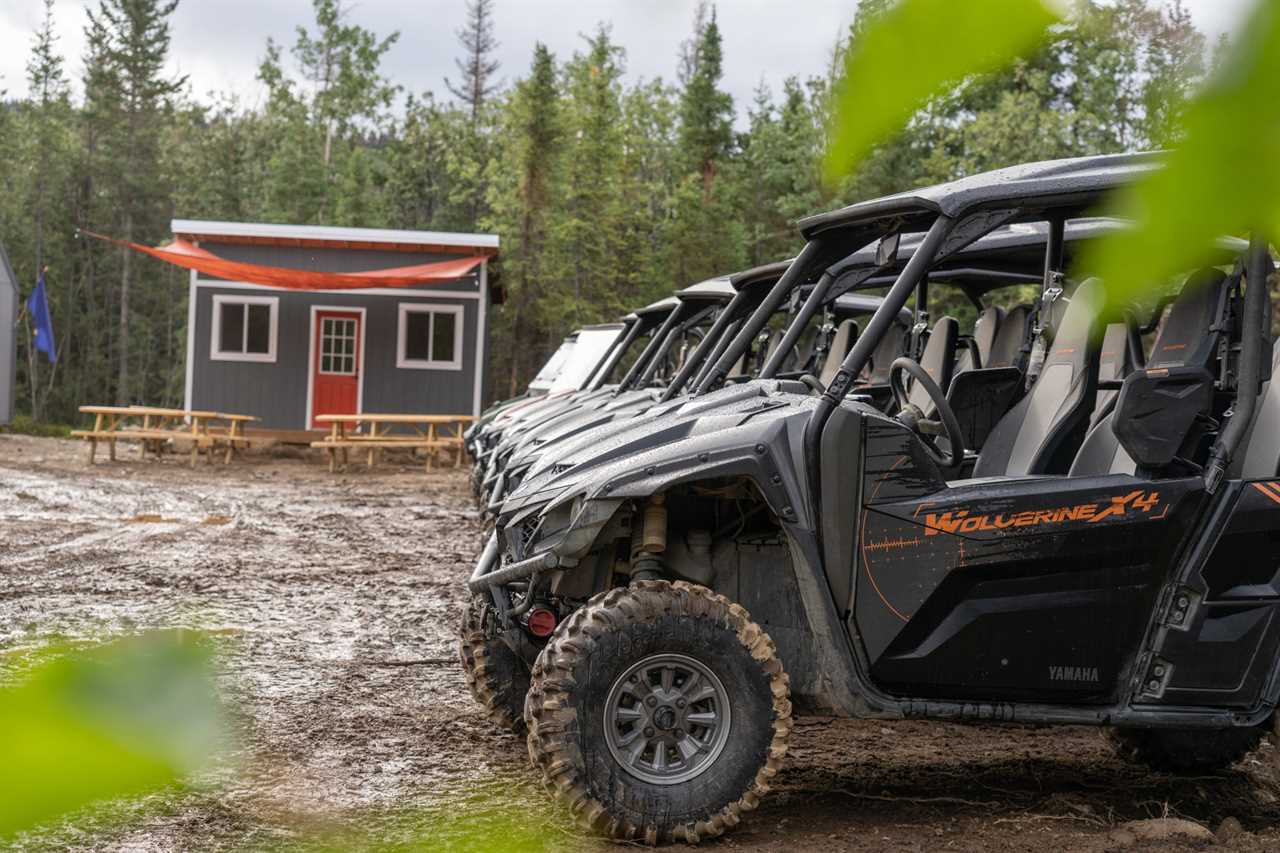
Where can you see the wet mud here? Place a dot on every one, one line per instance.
(334, 600)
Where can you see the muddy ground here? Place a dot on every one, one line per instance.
(334, 598)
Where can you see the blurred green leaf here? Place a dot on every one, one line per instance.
(121, 719)
(1222, 178)
(917, 49)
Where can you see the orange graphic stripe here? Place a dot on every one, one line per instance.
(1270, 490)
(866, 563)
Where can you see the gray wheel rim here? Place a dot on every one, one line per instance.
(666, 719)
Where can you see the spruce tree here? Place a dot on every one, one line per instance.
(593, 165)
(131, 39)
(706, 236)
(477, 65)
(706, 112)
(46, 143)
(522, 201)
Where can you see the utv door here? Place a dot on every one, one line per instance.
(1001, 589)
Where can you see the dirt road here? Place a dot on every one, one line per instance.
(335, 599)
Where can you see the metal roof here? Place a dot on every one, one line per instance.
(1007, 242)
(1078, 180)
(329, 234)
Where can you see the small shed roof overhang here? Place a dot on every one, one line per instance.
(329, 237)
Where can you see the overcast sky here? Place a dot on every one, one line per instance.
(218, 43)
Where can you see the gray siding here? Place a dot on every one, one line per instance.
(8, 337)
(276, 391)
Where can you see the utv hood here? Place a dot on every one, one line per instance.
(663, 431)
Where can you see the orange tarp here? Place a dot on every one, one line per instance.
(190, 256)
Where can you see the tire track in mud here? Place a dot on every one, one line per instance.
(335, 599)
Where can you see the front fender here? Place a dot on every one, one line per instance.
(763, 452)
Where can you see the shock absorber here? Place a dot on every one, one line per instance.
(646, 562)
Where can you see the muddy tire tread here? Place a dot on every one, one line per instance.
(497, 679)
(550, 719)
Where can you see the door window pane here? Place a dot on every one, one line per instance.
(338, 345)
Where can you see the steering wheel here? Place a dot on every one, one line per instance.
(911, 416)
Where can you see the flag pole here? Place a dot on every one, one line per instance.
(53, 371)
(33, 379)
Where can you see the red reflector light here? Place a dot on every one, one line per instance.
(541, 622)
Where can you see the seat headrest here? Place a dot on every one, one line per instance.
(1006, 348)
(846, 334)
(1184, 337)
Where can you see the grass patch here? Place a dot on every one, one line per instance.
(26, 425)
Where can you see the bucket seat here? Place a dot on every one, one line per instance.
(1006, 346)
(891, 345)
(938, 360)
(1262, 450)
(1047, 424)
(1188, 337)
(846, 334)
(978, 354)
(1114, 364)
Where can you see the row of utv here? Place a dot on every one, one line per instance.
(795, 489)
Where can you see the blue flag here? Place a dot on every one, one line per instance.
(38, 308)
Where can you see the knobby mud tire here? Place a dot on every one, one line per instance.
(564, 711)
(498, 678)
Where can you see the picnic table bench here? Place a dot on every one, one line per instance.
(156, 426)
(430, 433)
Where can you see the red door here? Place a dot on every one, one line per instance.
(336, 371)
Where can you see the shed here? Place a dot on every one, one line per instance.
(288, 355)
(8, 337)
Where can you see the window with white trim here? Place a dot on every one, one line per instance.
(430, 337)
(244, 328)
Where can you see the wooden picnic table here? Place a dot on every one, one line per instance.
(374, 431)
(155, 426)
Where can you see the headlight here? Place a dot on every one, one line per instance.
(570, 525)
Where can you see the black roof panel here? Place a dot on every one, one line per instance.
(1050, 182)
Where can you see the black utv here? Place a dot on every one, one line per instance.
(1110, 556)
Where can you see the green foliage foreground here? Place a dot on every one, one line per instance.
(121, 719)
(1222, 175)
(100, 726)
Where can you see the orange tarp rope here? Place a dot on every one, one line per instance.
(190, 256)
